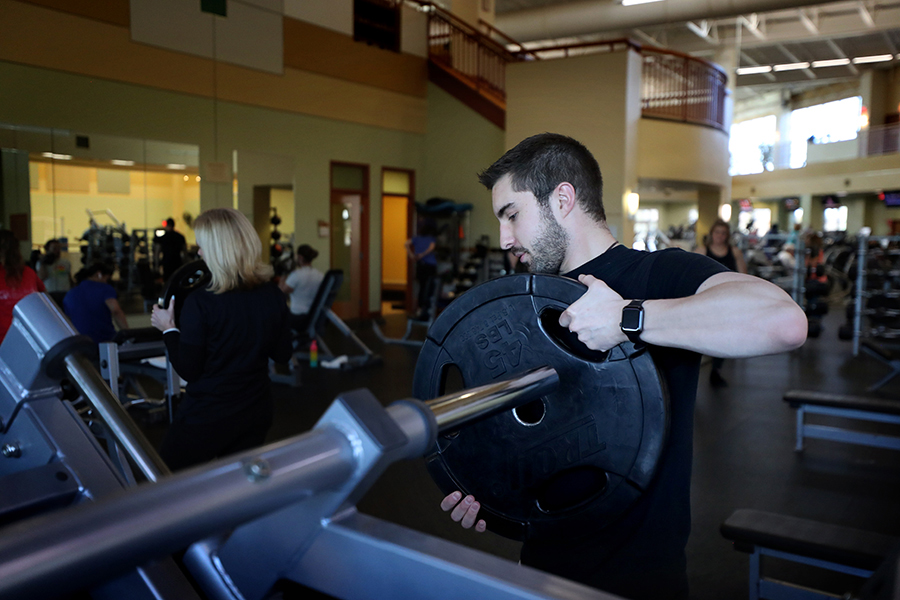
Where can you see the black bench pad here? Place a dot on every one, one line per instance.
(842, 545)
(879, 405)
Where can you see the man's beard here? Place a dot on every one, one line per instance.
(548, 251)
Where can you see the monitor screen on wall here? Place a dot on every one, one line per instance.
(892, 198)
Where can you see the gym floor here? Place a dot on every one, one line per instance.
(744, 436)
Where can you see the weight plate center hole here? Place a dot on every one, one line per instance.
(564, 339)
(530, 414)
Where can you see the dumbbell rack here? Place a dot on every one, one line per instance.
(861, 292)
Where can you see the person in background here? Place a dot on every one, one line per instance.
(171, 247)
(92, 305)
(221, 346)
(302, 284)
(718, 247)
(16, 279)
(786, 257)
(421, 250)
(55, 271)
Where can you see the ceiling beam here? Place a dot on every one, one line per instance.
(811, 24)
(753, 63)
(841, 54)
(791, 57)
(706, 30)
(755, 25)
(649, 39)
(866, 15)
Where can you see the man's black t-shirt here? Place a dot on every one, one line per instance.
(642, 554)
(225, 343)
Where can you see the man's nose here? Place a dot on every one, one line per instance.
(507, 240)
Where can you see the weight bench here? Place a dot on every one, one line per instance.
(128, 356)
(882, 354)
(314, 326)
(853, 407)
(835, 548)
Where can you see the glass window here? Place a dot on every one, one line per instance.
(758, 220)
(749, 142)
(836, 121)
(646, 224)
(835, 219)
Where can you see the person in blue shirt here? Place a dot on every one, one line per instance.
(421, 249)
(92, 305)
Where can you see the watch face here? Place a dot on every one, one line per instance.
(632, 319)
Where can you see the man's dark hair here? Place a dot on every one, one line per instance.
(541, 162)
(91, 270)
(170, 222)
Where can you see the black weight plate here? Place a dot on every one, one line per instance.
(570, 462)
(188, 278)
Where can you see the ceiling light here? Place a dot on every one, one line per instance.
(633, 2)
(122, 163)
(753, 70)
(791, 66)
(55, 156)
(176, 166)
(861, 60)
(835, 62)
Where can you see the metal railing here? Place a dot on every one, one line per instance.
(468, 53)
(682, 88)
(675, 86)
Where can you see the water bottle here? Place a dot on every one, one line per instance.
(314, 354)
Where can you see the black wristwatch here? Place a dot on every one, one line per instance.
(633, 320)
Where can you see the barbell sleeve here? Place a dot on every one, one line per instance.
(455, 410)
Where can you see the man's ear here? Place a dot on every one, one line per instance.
(564, 198)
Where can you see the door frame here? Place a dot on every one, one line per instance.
(410, 225)
(363, 308)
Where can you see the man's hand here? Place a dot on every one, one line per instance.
(595, 317)
(465, 512)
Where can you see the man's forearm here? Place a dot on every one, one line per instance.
(742, 316)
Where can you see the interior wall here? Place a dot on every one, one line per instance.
(460, 144)
(592, 99)
(681, 152)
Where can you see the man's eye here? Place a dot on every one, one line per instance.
(512, 217)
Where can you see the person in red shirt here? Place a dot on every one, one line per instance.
(16, 279)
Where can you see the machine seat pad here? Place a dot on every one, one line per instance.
(834, 543)
(880, 405)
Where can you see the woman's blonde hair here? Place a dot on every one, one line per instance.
(231, 250)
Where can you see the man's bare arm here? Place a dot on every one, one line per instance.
(731, 315)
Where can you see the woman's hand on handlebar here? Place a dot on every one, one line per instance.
(163, 318)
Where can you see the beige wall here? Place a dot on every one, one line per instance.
(459, 145)
(681, 152)
(594, 99)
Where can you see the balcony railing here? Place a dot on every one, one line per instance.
(675, 86)
(468, 53)
(682, 88)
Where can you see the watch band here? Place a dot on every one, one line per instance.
(632, 324)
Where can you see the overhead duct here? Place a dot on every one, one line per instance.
(596, 16)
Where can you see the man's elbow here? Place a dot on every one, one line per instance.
(792, 328)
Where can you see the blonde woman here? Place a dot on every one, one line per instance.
(228, 332)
